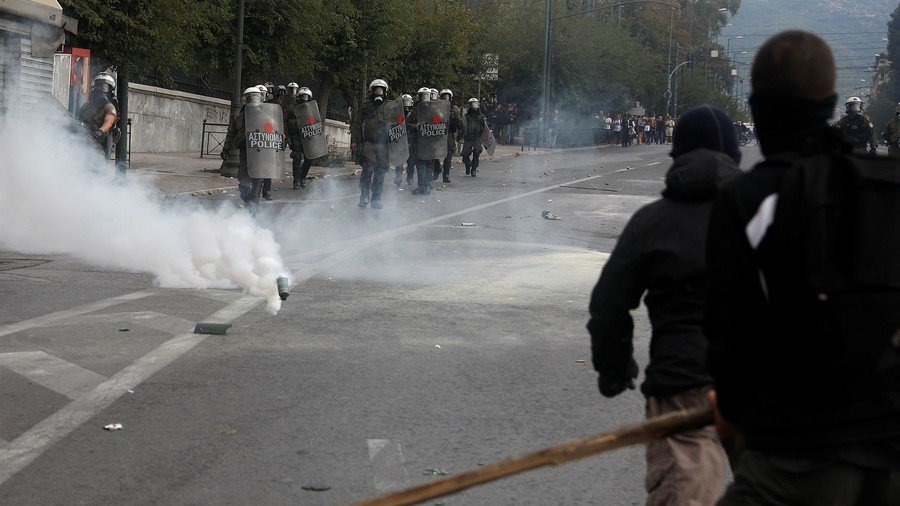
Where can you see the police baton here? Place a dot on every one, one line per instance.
(640, 433)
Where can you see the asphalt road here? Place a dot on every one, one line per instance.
(410, 343)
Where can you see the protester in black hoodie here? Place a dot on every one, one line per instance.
(816, 430)
(662, 252)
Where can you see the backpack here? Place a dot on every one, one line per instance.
(836, 247)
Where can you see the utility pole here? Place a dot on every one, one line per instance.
(545, 92)
(122, 145)
(229, 167)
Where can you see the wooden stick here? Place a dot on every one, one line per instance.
(641, 433)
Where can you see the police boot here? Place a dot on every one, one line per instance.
(376, 204)
(468, 170)
(363, 200)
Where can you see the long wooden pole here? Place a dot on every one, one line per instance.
(641, 433)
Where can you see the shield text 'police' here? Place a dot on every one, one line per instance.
(264, 127)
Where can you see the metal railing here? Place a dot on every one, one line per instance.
(213, 138)
(128, 138)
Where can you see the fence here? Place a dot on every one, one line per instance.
(213, 138)
(128, 139)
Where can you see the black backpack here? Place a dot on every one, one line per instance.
(835, 245)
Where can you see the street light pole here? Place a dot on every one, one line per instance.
(669, 85)
(229, 167)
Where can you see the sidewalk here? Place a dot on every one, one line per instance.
(183, 173)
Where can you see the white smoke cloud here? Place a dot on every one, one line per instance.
(57, 197)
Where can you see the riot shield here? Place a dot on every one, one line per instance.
(312, 129)
(393, 114)
(488, 141)
(434, 127)
(264, 133)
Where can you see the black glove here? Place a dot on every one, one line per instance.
(612, 385)
(224, 155)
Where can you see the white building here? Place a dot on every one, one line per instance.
(31, 31)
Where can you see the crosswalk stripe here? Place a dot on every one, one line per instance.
(150, 319)
(388, 466)
(52, 372)
(12, 328)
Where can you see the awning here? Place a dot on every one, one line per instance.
(44, 11)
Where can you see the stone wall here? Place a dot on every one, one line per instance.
(168, 121)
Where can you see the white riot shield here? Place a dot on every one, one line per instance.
(434, 127)
(393, 115)
(265, 138)
(312, 129)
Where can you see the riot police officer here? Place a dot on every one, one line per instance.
(857, 128)
(423, 167)
(99, 113)
(891, 133)
(454, 135)
(369, 142)
(398, 179)
(473, 129)
(300, 163)
(235, 138)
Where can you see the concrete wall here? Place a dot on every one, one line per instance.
(168, 121)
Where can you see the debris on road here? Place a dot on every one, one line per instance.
(436, 471)
(225, 430)
(113, 426)
(212, 328)
(466, 224)
(547, 215)
(316, 488)
(438, 346)
(123, 330)
(581, 361)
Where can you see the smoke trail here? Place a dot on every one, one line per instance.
(57, 198)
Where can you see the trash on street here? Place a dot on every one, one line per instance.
(113, 426)
(547, 215)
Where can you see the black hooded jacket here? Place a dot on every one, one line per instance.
(662, 252)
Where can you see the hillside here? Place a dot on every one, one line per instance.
(854, 29)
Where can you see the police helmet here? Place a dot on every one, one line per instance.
(378, 83)
(434, 94)
(473, 103)
(407, 100)
(304, 91)
(854, 104)
(424, 93)
(292, 88)
(251, 90)
(447, 91)
(104, 79)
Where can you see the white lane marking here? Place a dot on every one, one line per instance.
(40, 321)
(652, 164)
(52, 372)
(28, 446)
(388, 466)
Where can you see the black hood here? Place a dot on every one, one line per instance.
(698, 175)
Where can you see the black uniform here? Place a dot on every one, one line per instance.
(299, 163)
(236, 138)
(858, 131)
(473, 123)
(370, 134)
